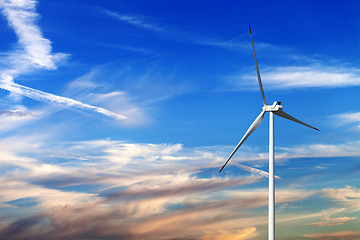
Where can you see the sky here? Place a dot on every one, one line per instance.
(116, 117)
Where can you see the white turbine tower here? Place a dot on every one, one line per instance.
(276, 109)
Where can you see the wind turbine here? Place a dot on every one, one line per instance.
(276, 109)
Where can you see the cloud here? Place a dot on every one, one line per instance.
(302, 76)
(143, 87)
(348, 195)
(22, 17)
(190, 186)
(34, 52)
(139, 21)
(13, 189)
(126, 48)
(127, 190)
(119, 219)
(348, 149)
(316, 150)
(327, 221)
(19, 228)
(334, 235)
(15, 113)
(347, 119)
(230, 44)
(116, 189)
(241, 234)
(18, 116)
(301, 216)
(237, 44)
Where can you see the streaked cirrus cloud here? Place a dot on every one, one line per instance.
(351, 118)
(139, 21)
(327, 221)
(319, 76)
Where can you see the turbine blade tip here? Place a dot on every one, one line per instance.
(249, 28)
(222, 168)
(316, 129)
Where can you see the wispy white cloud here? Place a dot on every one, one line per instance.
(303, 76)
(348, 149)
(22, 17)
(87, 89)
(315, 150)
(127, 48)
(238, 44)
(143, 87)
(235, 44)
(139, 21)
(230, 44)
(301, 216)
(347, 119)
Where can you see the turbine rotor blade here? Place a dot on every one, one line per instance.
(257, 70)
(251, 129)
(283, 114)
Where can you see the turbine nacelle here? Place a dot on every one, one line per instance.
(273, 108)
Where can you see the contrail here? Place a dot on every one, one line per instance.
(48, 97)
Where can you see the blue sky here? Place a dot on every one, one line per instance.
(116, 117)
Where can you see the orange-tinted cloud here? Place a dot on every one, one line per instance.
(242, 234)
(334, 235)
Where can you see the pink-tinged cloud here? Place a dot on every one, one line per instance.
(242, 234)
(327, 221)
(348, 195)
(134, 193)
